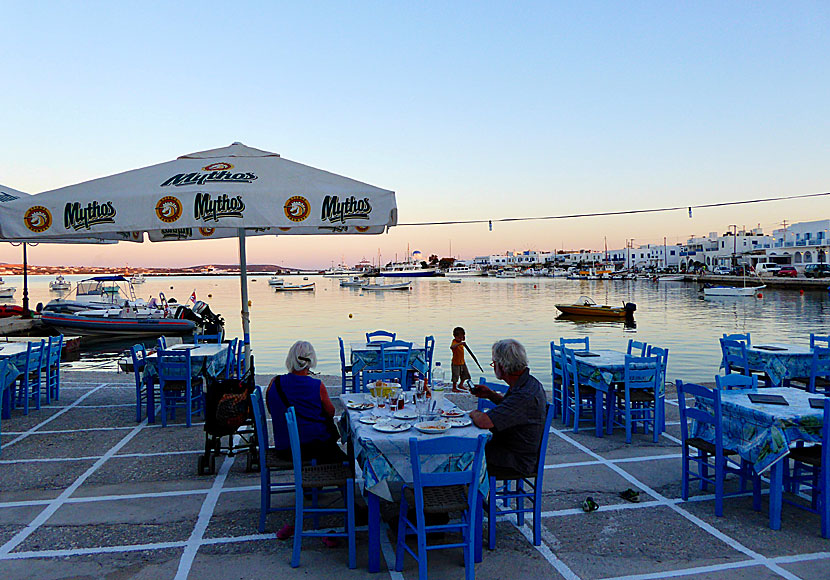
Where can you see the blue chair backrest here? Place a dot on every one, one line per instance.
(294, 441)
(394, 355)
(636, 348)
(241, 366)
(34, 356)
(453, 446)
(820, 366)
(663, 355)
(819, 340)
(736, 381)
(641, 371)
(556, 367)
(260, 424)
(379, 334)
(342, 352)
(543, 448)
(574, 343)
(742, 337)
(161, 343)
(139, 361)
(174, 365)
(429, 349)
(571, 368)
(484, 404)
(55, 348)
(230, 362)
(734, 354)
(208, 338)
(711, 398)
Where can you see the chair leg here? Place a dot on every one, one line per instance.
(350, 523)
(264, 497)
(537, 514)
(469, 549)
(704, 469)
(627, 420)
(491, 516)
(684, 484)
(720, 466)
(520, 502)
(400, 552)
(298, 528)
(477, 536)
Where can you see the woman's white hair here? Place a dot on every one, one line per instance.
(510, 355)
(301, 356)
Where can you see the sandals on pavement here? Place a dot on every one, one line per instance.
(630, 495)
(589, 505)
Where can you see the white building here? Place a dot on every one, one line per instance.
(801, 244)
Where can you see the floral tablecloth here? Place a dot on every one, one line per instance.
(206, 359)
(761, 433)
(366, 356)
(605, 370)
(791, 362)
(384, 457)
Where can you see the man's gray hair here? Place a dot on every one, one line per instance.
(301, 356)
(510, 355)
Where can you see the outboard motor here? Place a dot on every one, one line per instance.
(630, 307)
(212, 323)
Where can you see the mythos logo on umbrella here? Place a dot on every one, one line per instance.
(78, 217)
(177, 233)
(297, 208)
(350, 208)
(215, 172)
(169, 209)
(208, 209)
(37, 218)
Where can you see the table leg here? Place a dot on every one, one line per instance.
(374, 531)
(478, 529)
(776, 481)
(598, 412)
(609, 403)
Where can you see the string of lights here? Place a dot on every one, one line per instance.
(613, 213)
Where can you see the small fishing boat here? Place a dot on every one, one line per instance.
(382, 287)
(506, 274)
(7, 310)
(59, 284)
(672, 278)
(353, 282)
(455, 280)
(7, 292)
(279, 285)
(137, 279)
(114, 322)
(731, 290)
(585, 306)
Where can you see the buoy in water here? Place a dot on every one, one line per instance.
(801, 291)
(350, 315)
(534, 285)
(760, 295)
(171, 287)
(210, 295)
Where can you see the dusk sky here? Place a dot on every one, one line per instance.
(467, 110)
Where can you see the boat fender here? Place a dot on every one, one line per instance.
(39, 307)
(630, 307)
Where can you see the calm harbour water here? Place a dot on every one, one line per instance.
(669, 314)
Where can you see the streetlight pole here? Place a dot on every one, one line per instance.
(734, 245)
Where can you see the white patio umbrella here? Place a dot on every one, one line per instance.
(232, 191)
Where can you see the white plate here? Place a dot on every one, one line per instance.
(453, 414)
(368, 419)
(353, 406)
(405, 414)
(432, 427)
(392, 427)
(459, 421)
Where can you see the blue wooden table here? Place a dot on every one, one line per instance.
(14, 353)
(780, 361)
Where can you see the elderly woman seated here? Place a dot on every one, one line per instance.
(314, 409)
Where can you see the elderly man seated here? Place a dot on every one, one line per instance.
(518, 419)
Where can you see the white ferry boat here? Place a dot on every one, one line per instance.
(457, 271)
(341, 271)
(406, 270)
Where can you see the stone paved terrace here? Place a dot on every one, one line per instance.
(86, 492)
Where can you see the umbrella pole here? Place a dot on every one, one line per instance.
(243, 284)
(26, 312)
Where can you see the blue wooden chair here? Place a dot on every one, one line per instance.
(346, 375)
(268, 462)
(575, 343)
(819, 340)
(557, 371)
(230, 362)
(513, 491)
(5, 399)
(208, 338)
(241, 366)
(636, 347)
(161, 343)
(320, 478)
(380, 336)
(441, 493)
(177, 386)
(710, 456)
(739, 336)
(815, 460)
(663, 355)
(734, 356)
(393, 364)
(29, 380)
(484, 404)
(429, 350)
(735, 381)
(638, 401)
(53, 367)
(578, 398)
(139, 356)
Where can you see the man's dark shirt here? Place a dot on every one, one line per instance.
(518, 422)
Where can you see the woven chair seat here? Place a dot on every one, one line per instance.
(803, 382)
(275, 463)
(638, 395)
(180, 385)
(326, 475)
(584, 390)
(707, 447)
(809, 455)
(441, 499)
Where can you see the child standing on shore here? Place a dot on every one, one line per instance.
(460, 373)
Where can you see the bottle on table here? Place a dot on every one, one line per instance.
(438, 382)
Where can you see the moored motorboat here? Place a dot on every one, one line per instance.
(117, 324)
(672, 278)
(455, 280)
(7, 292)
(138, 279)
(383, 287)
(731, 290)
(585, 306)
(95, 292)
(60, 284)
(279, 285)
(7, 310)
(353, 282)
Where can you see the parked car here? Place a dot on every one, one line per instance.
(787, 272)
(741, 270)
(817, 271)
(722, 271)
(767, 268)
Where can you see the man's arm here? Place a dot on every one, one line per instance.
(481, 420)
